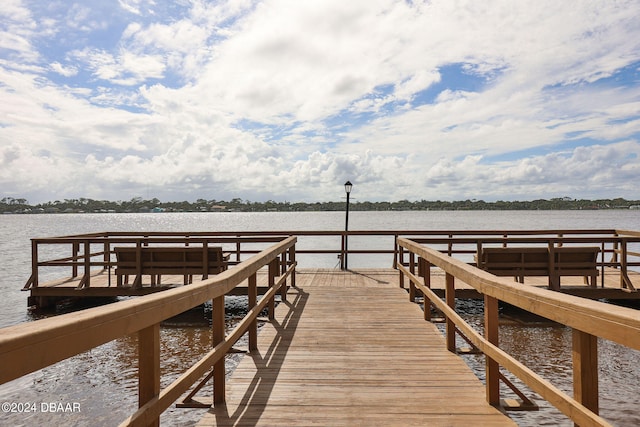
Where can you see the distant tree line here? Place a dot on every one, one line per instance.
(137, 204)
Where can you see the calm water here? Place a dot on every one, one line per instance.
(103, 381)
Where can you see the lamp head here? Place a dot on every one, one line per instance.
(347, 187)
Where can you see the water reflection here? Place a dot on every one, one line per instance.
(545, 347)
(104, 380)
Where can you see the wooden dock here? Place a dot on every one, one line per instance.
(345, 347)
(371, 361)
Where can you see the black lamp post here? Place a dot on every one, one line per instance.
(347, 189)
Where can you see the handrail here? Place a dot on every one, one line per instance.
(628, 233)
(28, 347)
(86, 260)
(589, 319)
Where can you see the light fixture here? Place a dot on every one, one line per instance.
(347, 187)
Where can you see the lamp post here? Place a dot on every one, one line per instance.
(347, 189)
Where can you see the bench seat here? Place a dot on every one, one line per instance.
(163, 260)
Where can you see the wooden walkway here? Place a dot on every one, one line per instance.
(349, 349)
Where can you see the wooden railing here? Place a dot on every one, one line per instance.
(614, 246)
(589, 320)
(81, 253)
(28, 347)
(93, 251)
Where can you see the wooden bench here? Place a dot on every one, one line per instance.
(553, 262)
(156, 261)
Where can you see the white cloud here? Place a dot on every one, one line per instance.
(126, 68)
(17, 26)
(300, 95)
(62, 70)
(599, 170)
(131, 6)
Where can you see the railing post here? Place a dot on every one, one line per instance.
(283, 269)
(554, 276)
(34, 263)
(623, 263)
(292, 260)
(395, 251)
(106, 259)
(342, 253)
(149, 366)
(450, 297)
(205, 261)
(412, 269)
(87, 263)
(614, 254)
(585, 369)
(492, 368)
(137, 282)
(401, 263)
(238, 249)
(106, 255)
(74, 254)
(252, 294)
(273, 272)
(424, 267)
(602, 249)
(218, 326)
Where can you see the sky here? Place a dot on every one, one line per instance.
(286, 100)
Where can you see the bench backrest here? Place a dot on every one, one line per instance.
(528, 261)
(536, 261)
(568, 259)
(181, 260)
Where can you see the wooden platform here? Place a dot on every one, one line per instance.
(348, 349)
(104, 285)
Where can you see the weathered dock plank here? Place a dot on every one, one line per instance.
(347, 350)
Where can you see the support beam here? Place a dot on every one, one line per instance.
(424, 268)
(450, 297)
(585, 369)
(149, 366)
(252, 296)
(491, 366)
(273, 272)
(218, 326)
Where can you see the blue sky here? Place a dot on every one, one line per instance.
(287, 100)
